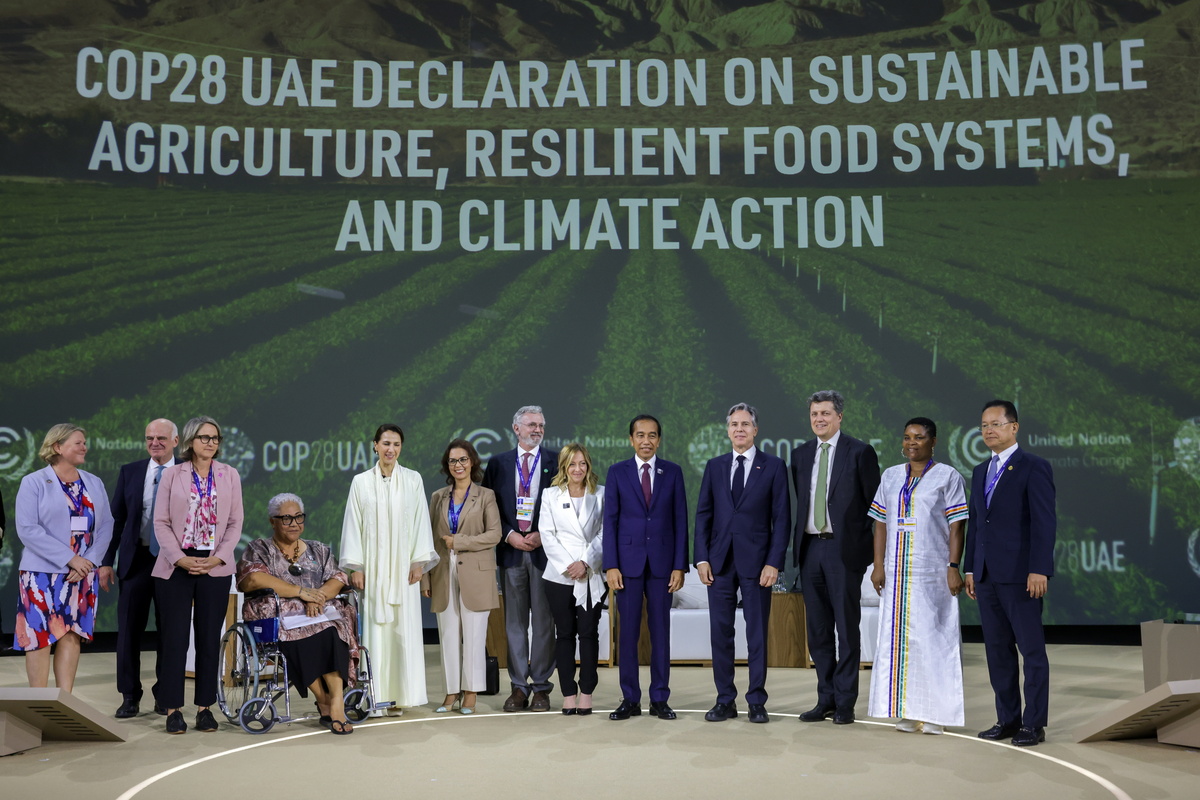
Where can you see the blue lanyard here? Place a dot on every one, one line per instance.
(910, 486)
(526, 483)
(454, 511)
(196, 482)
(76, 502)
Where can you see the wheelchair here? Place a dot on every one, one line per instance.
(254, 674)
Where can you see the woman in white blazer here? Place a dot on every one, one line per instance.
(572, 515)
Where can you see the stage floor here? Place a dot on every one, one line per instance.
(496, 755)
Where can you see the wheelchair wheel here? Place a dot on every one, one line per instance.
(257, 715)
(357, 703)
(238, 678)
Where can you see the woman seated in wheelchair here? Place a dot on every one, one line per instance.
(316, 635)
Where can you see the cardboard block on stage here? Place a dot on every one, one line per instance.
(1170, 652)
(27, 716)
(1172, 711)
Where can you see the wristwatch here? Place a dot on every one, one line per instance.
(952, 564)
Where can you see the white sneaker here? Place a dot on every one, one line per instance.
(909, 726)
(932, 728)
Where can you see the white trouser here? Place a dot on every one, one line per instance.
(463, 634)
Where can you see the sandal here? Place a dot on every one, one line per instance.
(326, 721)
(341, 727)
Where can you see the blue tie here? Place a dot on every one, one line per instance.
(158, 470)
(989, 488)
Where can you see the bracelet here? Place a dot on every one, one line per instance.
(952, 565)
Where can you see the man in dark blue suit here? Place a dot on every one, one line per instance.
(645, 555)
(1009, 560)
(134, 550)
(518, 477)
(742, 521)
(835, 476)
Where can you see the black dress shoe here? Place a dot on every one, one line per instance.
(626, 710)
(817, 713)
(1028, 737)
(128, 709)
(162, 712)
(1000, 731)
(175, 723)
(758, 713)
(721, 712)
(205, 721)
(661, 710)
(843, 715)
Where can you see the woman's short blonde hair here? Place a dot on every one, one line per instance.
(57, 435)
(569, 451)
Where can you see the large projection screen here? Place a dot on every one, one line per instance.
(307, 218)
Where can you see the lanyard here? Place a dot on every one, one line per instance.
(527, 482)
(999, 470)
(76, 502)
(910, 485)
(456, 511)
(203, 493)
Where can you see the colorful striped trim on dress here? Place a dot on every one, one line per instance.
(877, 511)
(901, 609)
(955, 513)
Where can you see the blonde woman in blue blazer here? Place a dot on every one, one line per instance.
(572, 518)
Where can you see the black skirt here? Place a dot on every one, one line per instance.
(313, 656)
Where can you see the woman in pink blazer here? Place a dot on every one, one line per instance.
(197, 525)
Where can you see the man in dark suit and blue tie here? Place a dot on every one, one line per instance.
(645, 556)
(742, 521)
(518, 477)
(134, 550)
(835, 476)
(1009, 559)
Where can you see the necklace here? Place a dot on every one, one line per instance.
(293, 567)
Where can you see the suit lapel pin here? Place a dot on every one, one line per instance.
(658, 472)
(1010, 467)
(566, 505)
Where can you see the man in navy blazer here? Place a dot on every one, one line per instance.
(645, 555)
(518, 477)
(134, 549)
(836, 477)
(1009, 559)
(742, 521)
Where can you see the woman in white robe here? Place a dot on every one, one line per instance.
(387, 544)
(920, 511)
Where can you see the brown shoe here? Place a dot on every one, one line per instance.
(516, 701)
(540, 701)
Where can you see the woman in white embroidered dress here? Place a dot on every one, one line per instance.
(920, 512)
(387, 544)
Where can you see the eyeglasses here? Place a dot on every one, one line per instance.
(204, 438)
(288, 519)
(465, 461)
(985, 427)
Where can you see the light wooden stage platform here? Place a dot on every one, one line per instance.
(497, 755)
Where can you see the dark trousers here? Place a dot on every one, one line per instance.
(658, 620)
(832, 602)
(530, 657)
(756, 610)
(1012, 620)
(136, 595)
(198, 601)
(572, 621)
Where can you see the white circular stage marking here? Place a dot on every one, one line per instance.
(1111, 787)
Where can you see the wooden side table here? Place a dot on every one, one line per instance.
(787, 638)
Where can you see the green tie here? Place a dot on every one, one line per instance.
(820, 500)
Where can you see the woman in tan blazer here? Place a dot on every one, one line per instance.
(462, 587)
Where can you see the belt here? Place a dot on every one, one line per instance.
(822, 535)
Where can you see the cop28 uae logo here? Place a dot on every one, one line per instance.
(17, 450)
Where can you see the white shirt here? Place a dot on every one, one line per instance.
(1005, 455)
(535, 473)
(652, 462)
(809, 525)
(749, 455)
(149, 488)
